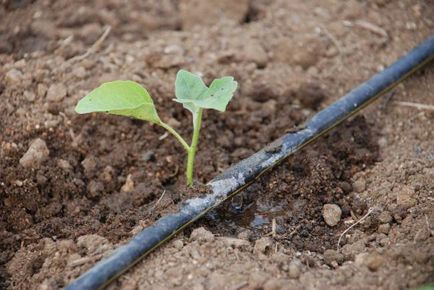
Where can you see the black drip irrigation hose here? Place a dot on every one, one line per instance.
(241, 175)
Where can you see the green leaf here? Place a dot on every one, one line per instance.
(193, 94)
(218, 95)
(188, 86)
(125, 98)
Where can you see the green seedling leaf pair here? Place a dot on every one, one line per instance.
(128, 98)
(194, 94)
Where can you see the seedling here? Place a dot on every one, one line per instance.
(128, 98)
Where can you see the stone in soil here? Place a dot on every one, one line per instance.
(202, 235)
(128, 185)
(332, 214)
(13, 77)
(359, 185)
(56, 92)
(178, 244)
(29, 95)
(64, 164)
(384, 228)
(36, 154)
(405, 197)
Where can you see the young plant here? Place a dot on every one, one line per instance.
(128, 98)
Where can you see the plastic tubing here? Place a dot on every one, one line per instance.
(242, 174)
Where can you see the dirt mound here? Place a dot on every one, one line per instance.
(90, 182)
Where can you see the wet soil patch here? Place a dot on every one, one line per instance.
(295, 192)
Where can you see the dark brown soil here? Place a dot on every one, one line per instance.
(295, 192)
(107, 177)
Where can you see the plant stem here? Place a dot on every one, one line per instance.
(197, 122)
(177, 136)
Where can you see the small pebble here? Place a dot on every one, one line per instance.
(36, 154)
(332, 214)
(128, 185)
(64, 164)
(29, 95)
(384, 228)
(202, 235)
(13, 77)
(19, 183)
(359, 185)
(178, 244)
(56, 92)
(405, 197)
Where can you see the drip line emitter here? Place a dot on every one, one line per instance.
(244, 173)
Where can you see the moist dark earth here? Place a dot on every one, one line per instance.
(74, 187)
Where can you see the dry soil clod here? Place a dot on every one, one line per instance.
(36, 154)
